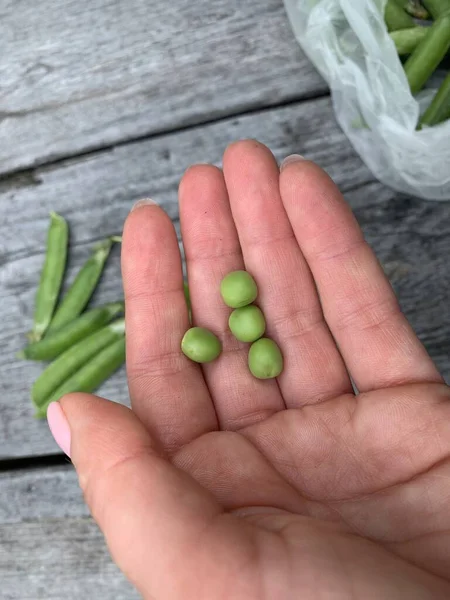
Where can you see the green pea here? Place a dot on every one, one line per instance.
(238, 289)
(247, 324)
(265, 360)
(51, 276)
(200, 345)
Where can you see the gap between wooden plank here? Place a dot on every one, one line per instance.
(27, 463)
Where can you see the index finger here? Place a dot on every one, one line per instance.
(376, 341)
(168, 392)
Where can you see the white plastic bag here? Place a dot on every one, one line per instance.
(348, 42)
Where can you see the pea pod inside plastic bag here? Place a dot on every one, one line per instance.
(349, 44)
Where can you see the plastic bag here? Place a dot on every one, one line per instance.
(348, 42)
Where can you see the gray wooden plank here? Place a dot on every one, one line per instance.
(41, 494)
(409, 235)
(59, 559)
(50, 548)
(75, 76)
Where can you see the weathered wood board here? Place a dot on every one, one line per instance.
(75, 76)
(50, 548)
(56, 556)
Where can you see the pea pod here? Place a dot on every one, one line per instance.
(51, 275)
(439, 109)
(91, 375)
(72, 359)
(426, 57)
(436, 8)
(396, 17)
(407, 40)
(54, 344)
(82, 288)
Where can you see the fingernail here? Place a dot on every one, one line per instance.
(59, 426)
(292, 158)
(143, 202)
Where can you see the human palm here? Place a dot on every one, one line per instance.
(220, 485)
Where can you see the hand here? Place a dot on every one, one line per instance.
(219, 485)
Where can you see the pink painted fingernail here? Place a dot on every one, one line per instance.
(292, 158)
(59, 426)
(143, 202)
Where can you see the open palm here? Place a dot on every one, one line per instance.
(219, 485)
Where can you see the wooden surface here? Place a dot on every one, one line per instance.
(78, 75)
(49, 546)
(102, 103)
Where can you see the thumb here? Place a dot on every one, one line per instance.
(152, 514)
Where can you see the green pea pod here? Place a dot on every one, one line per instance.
(436, 8)
(407, 40)
(54, 344)
(51, 276)
(82, 288)
(91, 375)
(72, 359)
(395, 17)
(426, 57)
(439, 109)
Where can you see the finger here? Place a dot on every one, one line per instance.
(168, 392)
(379, 347)
(150, 512)
(314, 369)
(212, 250)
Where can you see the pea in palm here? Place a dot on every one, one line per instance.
(219, 484)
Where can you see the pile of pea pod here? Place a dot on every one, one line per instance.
(84, 347)
(420, 30)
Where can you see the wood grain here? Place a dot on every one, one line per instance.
(77, 76)
(50, 548)
(96, 191)
(59, 559)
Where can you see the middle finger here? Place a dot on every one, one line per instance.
(314, 369)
